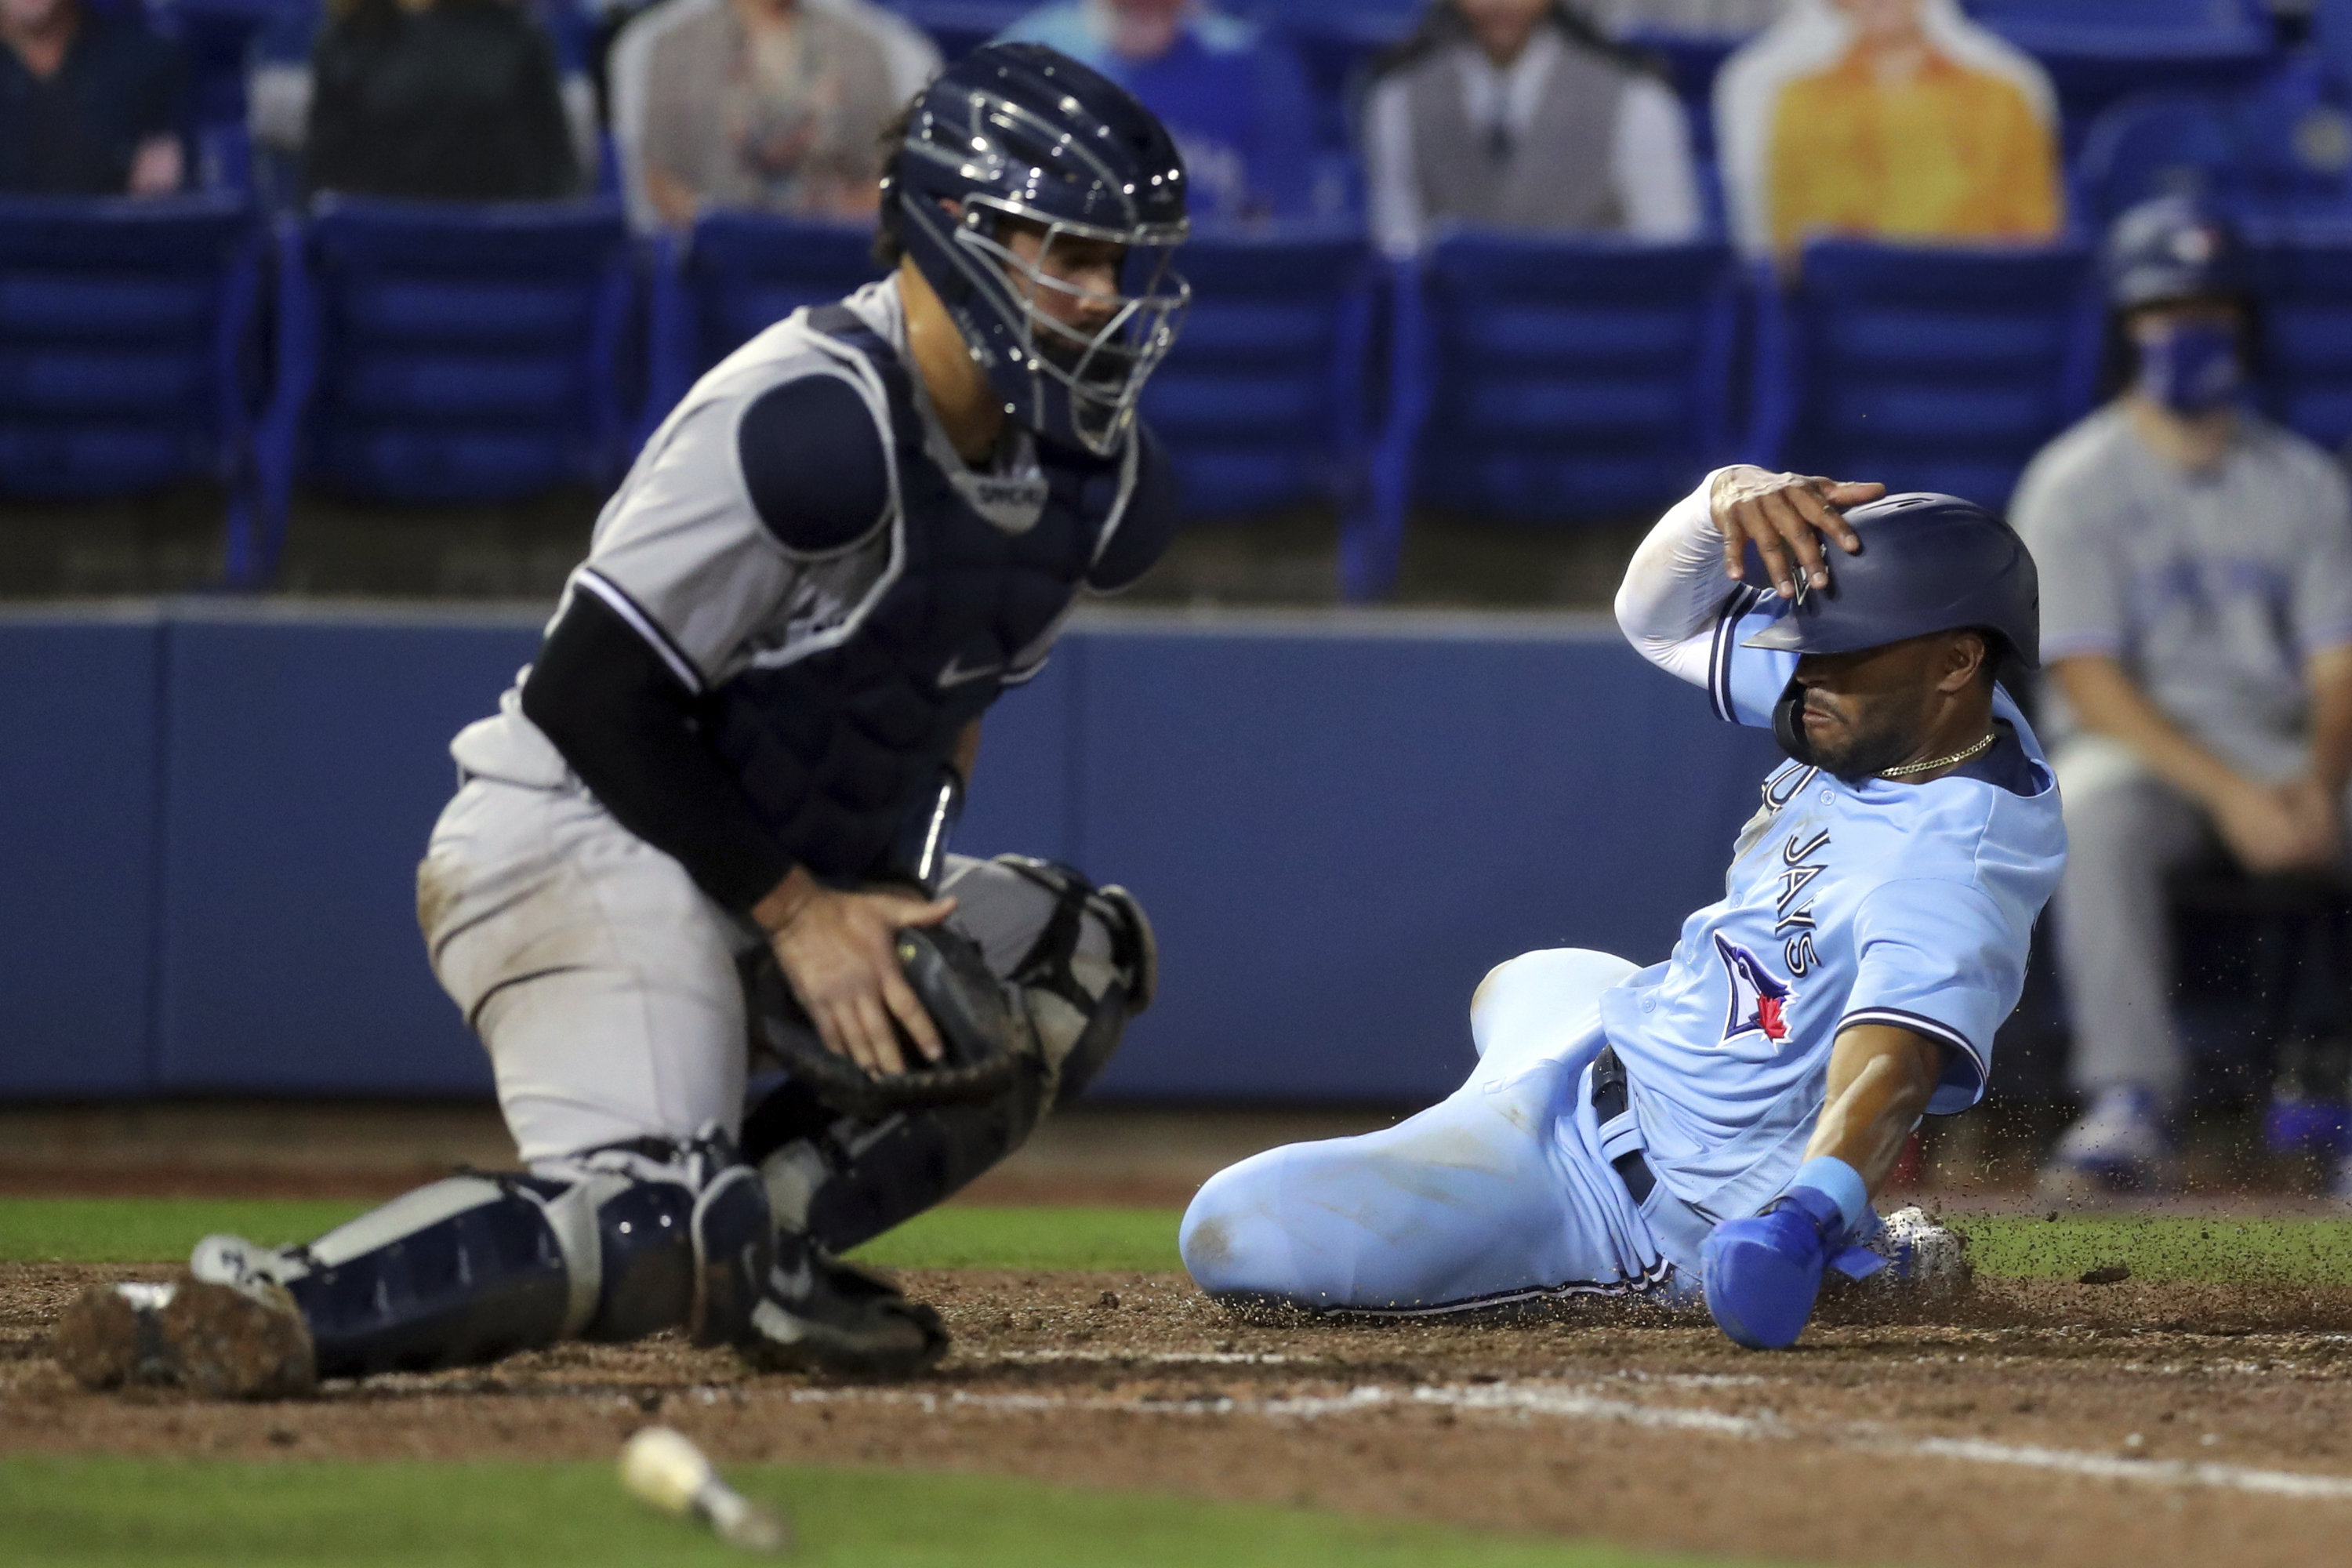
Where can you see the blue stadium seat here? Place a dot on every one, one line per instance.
(2098, 51)
(125, 332)
(738, 274)
(2282, 149)
(1552, 380)
(2165, 144)
(1260, 402)
(2303, 276)
(960, 26)
(1929, 368)
(445, 353)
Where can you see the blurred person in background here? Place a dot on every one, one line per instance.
(91, 105)
(2197, 630)
(1235, 99)
(436, 100)
(1519, 114)
(912, 58)
(1898, 119)
(772, 104)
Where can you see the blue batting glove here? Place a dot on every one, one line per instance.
(1763, 1273)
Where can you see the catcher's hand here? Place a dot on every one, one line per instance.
(983, 1039)
(836, 948)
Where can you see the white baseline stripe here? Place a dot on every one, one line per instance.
(1572, 1403)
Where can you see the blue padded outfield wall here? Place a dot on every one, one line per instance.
(210, 815)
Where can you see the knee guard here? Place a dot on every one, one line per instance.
(1093, 966)
(612, 1245)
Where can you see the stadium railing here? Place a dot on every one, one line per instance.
(1936, 368)
(1550, 380)
(431, 351)
(126, 337)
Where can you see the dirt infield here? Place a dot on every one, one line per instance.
(2053, 1424)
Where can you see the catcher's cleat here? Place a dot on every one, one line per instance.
(215, 1340)
(820, 1314)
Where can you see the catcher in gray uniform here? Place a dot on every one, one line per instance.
(705, 833)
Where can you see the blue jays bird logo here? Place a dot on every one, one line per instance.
(1760, 999)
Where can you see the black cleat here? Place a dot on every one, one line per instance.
(820, 1314)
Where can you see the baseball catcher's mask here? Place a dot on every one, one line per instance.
(1017, 134)
(985, 1037)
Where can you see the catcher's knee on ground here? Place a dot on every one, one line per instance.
(612, 1245)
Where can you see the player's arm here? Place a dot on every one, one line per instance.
(1881, 1080)
(1682, 577)
(2259, 821)
(1940, 964)
(619, 688)
(1764, 1271)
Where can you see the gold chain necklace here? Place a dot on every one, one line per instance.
(1905, 771)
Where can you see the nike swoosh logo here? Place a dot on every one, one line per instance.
(955, 674)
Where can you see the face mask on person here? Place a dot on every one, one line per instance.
(2190, 367)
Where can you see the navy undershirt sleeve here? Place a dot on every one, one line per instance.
(814, 463)
(629, 730)
(1148, 524)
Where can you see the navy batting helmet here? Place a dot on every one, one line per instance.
(2171, 249)
(1928, 563)
(1018, 133)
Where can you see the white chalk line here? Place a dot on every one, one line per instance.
(1574, 1402)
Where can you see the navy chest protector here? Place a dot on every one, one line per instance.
(839, 747)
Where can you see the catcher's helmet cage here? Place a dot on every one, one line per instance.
(2171, 249)
(1928, 564)
(1019, 132)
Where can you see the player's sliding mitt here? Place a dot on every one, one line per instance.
(984, 1038)
(1764, 1272)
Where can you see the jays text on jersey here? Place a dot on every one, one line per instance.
(1866, 902)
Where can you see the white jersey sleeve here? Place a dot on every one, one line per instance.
(1684, 615)
(1938, 957)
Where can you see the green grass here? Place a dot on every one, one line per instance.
(150, 1230)
(148, 1513)
(2267, 1251)
(961, 1237)
(153, 1230)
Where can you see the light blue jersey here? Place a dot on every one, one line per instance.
(1875, 902)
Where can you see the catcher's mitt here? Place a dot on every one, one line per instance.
(983, 1036)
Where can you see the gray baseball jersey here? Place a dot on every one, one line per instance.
(2212, 589)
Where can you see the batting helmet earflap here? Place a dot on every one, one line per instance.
(1928, 563)
(2173, 247)
(1020, 135)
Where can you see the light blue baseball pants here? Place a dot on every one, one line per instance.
(1498, 1194)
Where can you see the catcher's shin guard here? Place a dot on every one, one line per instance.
(613, 1244)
